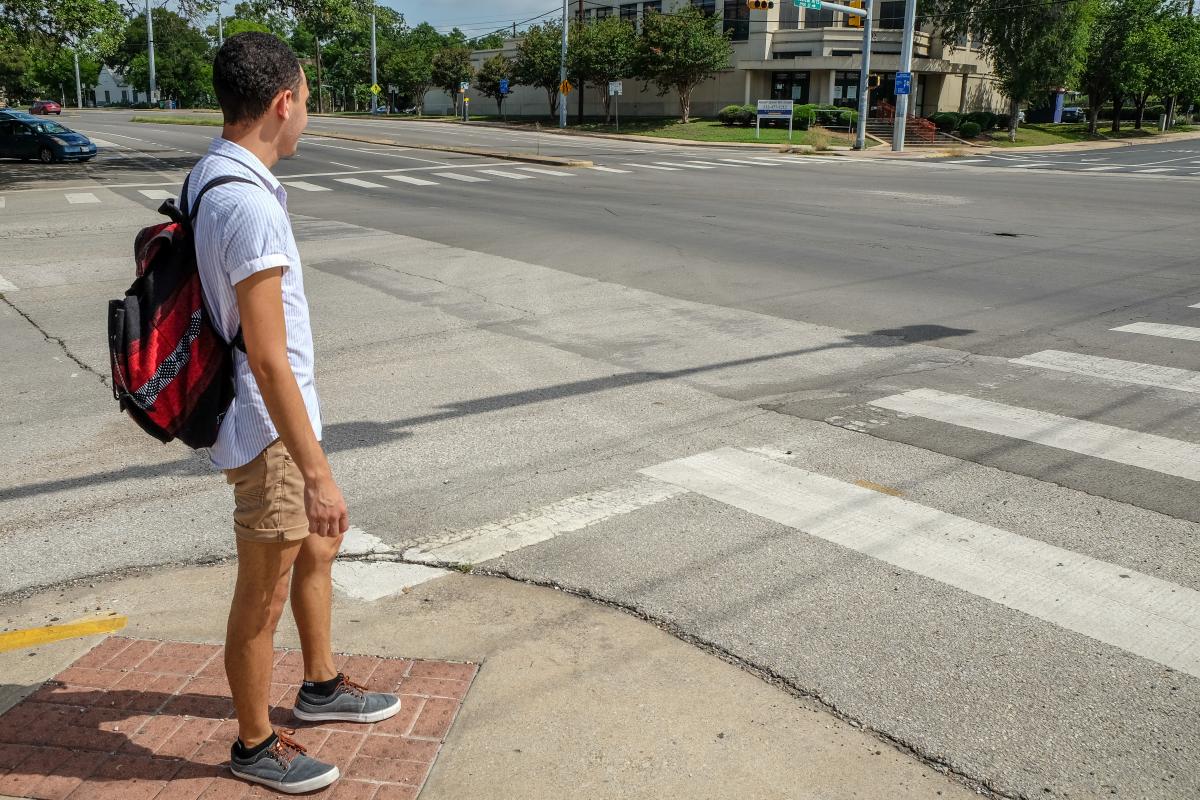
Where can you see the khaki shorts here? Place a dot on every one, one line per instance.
(268, 496)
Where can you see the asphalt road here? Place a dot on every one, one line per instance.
(1177, 158)
(916, 438)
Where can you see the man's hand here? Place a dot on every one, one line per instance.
(325, 507)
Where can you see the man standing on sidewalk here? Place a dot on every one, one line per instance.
(289, 513)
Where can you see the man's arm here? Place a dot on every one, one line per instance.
(260, 302)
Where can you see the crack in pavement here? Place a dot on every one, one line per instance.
(55, 340)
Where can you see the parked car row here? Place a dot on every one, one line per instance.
(27, 137)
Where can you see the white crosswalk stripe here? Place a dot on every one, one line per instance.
(156, 194)
(305, 186)
(499, 173)
(684, 165)
(655, 166)
(360, 183)
(1099, 169)
(1161, 329)
(456, 176)
(1156, 169)
(1034, 164)
(6, 286)
(1119, 445)
(1112, 604)
(81, 198)
(738, 161)
(1114, 369)
(1, 202)
(716, 164)
(553, 172)
(612, 170)
(411, 180)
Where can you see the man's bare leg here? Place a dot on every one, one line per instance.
(312, 599)
(258, 598)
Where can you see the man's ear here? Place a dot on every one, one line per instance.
(283, 104)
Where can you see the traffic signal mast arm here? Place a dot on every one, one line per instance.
(851, 10)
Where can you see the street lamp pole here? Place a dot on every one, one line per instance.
(374, 97)
(220, 26)
(78, 83)
(150, 43)
(906, 48)
(864, 75)
(562, 72)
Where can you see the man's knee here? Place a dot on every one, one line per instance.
(322, 550)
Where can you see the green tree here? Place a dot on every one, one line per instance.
(538, 60)
(679, 51)
(1033, 46)
(1177, 67)
(320, 21)
(37, 30)
(408, 61)
(491, 72)
(182, 57)
(602, 51)
(451, 66)
(492, 41)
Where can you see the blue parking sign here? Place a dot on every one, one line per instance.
(903, 83)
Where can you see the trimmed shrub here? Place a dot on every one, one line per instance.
(946, 121)
(803, 116)
(969, 130)
(986, 120)
(730, 115)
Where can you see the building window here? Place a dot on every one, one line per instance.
(603, 11)
(707, 6)
(107, 97)
(629, 13)
(790, 86)
(789, 16)
(652, 5)
(737, 20)
(124, 95)
(845, 89)
(891, 15)
(794, 54)
(819, 19)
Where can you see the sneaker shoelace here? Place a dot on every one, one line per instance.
(355, 689)
(286, 748)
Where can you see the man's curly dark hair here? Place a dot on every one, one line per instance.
(249, 70)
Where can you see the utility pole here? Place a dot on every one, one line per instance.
(906, 48)
(150, 43)
(220, 26)
(374, 97)
(864, 75)
(579, 21)
(562, 72)
(78, 85)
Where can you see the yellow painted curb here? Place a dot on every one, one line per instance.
(32, 637)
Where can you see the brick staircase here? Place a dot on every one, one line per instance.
(919, 132)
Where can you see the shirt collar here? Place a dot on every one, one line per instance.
(224, 147)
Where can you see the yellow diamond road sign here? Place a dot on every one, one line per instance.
(375, 88)
(565, 87)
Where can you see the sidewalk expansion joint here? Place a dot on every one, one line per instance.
(54, 339)
(941, 765)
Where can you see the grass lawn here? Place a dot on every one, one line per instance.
(1040, 134)
(708, 130)
(169, 120)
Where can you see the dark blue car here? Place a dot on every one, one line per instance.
(27, 138)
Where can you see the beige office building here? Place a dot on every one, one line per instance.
(785, 53)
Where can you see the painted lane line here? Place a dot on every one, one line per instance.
(684, 165)
(454, 176)
(156, 194)
(360, 183)
(968, 161)
(556, 173)
(1138, 613)
(375, 580)
(610, 169)
(516, 176)
(1119, 445)
(1160, 329)
(1035, 164)
(7, 286)
(77, 198)
(739, 161)
(1099, 169)
(1114, 369)
(1156, 169)
(716, 164)
(773, 160)
(340, 164)
(652, 166)
(305, 186)
(409, 180)
(1194, 305)
(34, 637)
(566, 516)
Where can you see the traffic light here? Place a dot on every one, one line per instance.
(760, 5)
(853, 20)
(874, 80)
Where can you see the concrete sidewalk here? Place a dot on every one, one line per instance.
(572, 698)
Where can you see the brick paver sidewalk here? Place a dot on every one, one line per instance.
(136, 719)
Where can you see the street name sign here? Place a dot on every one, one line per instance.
(814, 4)
(903, 83)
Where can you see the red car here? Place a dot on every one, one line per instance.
(45, 107)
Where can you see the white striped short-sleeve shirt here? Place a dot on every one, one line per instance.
(242, 229)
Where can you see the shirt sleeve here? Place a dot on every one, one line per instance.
(256, 237)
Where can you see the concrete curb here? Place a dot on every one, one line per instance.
(1065, 147)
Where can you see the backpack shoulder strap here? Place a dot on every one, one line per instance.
(220, 180)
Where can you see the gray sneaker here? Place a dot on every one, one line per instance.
(284, 767)
(348, 703)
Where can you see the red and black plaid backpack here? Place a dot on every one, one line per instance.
(171, 370)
